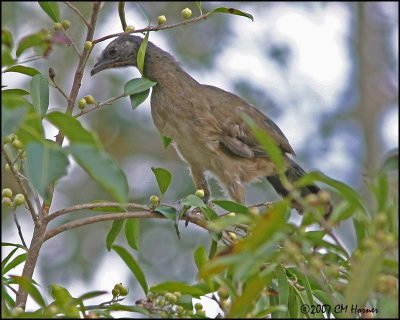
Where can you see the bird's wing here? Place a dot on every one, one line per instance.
(237, 136)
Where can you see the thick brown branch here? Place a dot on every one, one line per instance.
(154, 28)
(117, 216)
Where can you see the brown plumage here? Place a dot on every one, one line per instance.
(205, 123)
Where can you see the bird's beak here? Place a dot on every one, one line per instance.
(96, 68)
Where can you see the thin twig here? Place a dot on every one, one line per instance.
(58, 88)
(21, 185)
(35, 195)
(71, 41)
(88, 206)
(121, 13)
(69, 4)
(19, 229)
(99, 105)
(154, 28)
(81, 66)
(115, 216)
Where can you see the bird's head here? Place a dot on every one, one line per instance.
(121, 52)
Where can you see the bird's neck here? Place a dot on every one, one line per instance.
(161, 67)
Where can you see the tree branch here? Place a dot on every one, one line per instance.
(24, 191)
(81, 66)
(117, 216)
(69, 4)
(154, 28)
(99, 105)
(85, 206)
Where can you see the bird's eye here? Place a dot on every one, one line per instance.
(113, 51)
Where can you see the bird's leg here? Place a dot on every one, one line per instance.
(200, 182)
(236, 191)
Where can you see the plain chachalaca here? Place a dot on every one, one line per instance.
(206, 123)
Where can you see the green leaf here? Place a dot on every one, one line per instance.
(23, 69)
(28, 286)
(186, 301)
(16, 245)
(113, 233)
(166, 141)
(231, 206)
(52, 9)
(293, 304)
(283, 288)
(6, 57)
(224, 221)
(7, 38)
(46, 163)
(328, 299)
(233, 11)
(31, 129)
(133, 266)
(198, 5)
(138, 98)
(391, 162)
(11, 117)
(193, 201)
(102, 168)
(363, 278)
(163, 178)
(265, 228)
(33, 40)
(40, 94)
(142, 53)
(244, 303)
(132, 233)
(137, 85)
(14, 93)
(342, 211)
(120, 307)
(167, 212)
(15, 262)
(346, 192)
(172, 286)
(268, 143)
(92, 294)
(200, 257)
(213, 249)
(72, 128)
(6, 259)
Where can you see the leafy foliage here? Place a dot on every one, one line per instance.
(259, 263)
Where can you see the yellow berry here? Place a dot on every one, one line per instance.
(19, 199)
(312, 200)
(198, 306)
(186, 13)
(200, 193)
(66, 24)
(88, 45)
(17, 144)
(115, 292)
(161, 19)
(57, 26)
(7, 202)
(223, 293)
(178, 294)
(129, 28)
(253, 211)
(324, 196)
(201, 313)
(231, 214)
(6, 193)
(82, 104)
(90, 100)
(232, 235)
(155, 200)
(7, 167)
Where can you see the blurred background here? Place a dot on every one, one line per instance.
(326, 73)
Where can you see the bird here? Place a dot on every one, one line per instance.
(207, 125)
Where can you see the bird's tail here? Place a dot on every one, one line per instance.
(293, 173)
